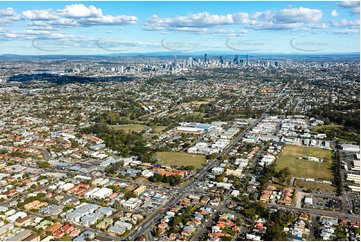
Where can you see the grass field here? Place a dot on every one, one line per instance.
(315, 186)
(305, 168)
(194, 103)
(158, 129)
(180, 159)
(136, 127)
(129, 127)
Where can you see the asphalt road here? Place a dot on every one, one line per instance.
(208, 222)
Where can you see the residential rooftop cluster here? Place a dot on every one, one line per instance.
(179, 149)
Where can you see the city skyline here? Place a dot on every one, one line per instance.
(91, 27)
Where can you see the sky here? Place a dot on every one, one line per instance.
(98, 27)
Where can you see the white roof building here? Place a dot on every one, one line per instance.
(217, 170)
(309, 201)
(66, 186)
(350, 148)
(101, 193)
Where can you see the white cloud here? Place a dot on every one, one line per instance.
(156, 23)
(268, 20)
(189, 29)
(298, 15)
(80, 11)
(354, 6)
(284, 19)
(38, 15)
(46, 40)
(9, 15)
(345, 23)
(346, 31)
(241, 18)
(201, 20)
(334, 13)
(198, 20)
(275, 26)
(318, 26)
(256, 15)
(75, 15)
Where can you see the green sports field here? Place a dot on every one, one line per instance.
(305, 168)
(180, 159)
(136, 127)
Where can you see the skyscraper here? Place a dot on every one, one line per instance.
(175, 61)
(235, 60)
(205, 58)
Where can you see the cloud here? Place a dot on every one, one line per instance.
(298, 15)
(189, 29)
(318, 26)
(29, 34)
(334, 13)
(268, 20)
(75, 15)
(48, 41)
(345, 23)
(275, 26)
(354, 6)
(198, 20)
(9, 15)
(39, 15)
(231, 32)
(346, 31)
(80, 11)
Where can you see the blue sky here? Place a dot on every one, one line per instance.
(95, 27)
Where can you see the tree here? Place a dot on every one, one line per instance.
(119, 164)
(117, 205)
(290, 217)
(226, 238)
(74, 144)
(250, 213)
(44, 164)
(191, 167)
(176, 220)
(129, 195)
(220, 178)
(275, 232)
(284, 174)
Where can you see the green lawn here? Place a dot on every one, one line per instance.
(180, 159)
(136, 127)
(315, 186)
(158, 129)
(129, 127)
(305, 168)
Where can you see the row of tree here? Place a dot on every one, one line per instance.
(336, 168)
(173, 180)
(127, 144)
